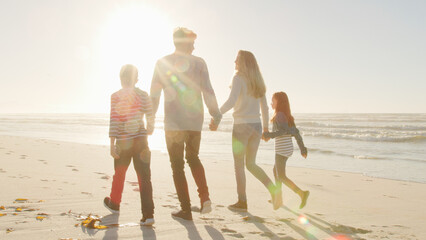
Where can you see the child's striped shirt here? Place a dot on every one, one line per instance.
(283, 136)
(284, 145)
(128, 107)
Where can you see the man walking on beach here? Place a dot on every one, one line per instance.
(184, 78)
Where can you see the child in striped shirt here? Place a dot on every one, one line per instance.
(129, 141)
(283, 130)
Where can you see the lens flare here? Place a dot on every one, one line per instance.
(303, 220)
(174, 79)
(178, 84)
(311, 231)
(237, 146)
(340, 237)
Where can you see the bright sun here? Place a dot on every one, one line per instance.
(135, 34)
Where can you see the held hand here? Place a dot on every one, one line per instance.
(115, 152)
(212, 126)
(150, 132)
(305, 155)
(266, 139)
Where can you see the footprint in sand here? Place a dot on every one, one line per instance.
(285, 220)
(254, 219)
(267, 234)
(169, 206)
(86, 193)
(400, 226)
(105, 176)
(173, 195)
(2, 171)
(133, 183)
(43, 161)
(212, 218)
(232, 233)
(275, 224)
(75, 170)
(348, 230)
(389, 196)
(220, 206)
(70, 166)
(227, 230)
(23, 156)
(236, 235)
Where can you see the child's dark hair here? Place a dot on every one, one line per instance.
(283, 105)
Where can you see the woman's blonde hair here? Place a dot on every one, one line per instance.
(247, 67)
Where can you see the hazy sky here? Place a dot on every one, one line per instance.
(329, 56)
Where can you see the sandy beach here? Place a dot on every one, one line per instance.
(61, 183)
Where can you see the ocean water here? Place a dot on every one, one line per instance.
(389, 146)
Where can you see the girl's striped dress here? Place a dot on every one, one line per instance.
(284, 145)
(283, 136)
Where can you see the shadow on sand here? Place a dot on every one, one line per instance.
(111, 221)
(193, 233)
(307, 228)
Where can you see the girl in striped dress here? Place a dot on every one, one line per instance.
(283, 130)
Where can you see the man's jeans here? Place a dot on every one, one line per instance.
(177, 142)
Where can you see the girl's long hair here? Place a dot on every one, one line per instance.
(247, 67)
(283, 105)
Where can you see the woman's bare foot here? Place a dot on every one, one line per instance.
(304, 198)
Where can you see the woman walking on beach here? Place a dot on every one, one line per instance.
(283, 130)
(247, 97)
